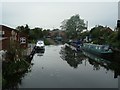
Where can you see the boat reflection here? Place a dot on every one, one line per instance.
(98, 62)
(35, 51)
(74, 59)
(40, 53)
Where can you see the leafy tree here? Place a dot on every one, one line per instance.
(95, 32)
(36, 33)
(118, 37)
(100, 34)
(73, 25)
(24, 29)
(46, 32)
(84, 34)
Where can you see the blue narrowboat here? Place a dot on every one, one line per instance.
(76, 44)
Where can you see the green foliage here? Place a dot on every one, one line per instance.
(13, 71)
(24, 29)
(100, 34)
(36, 33)
(83, 34)
(96, 32)
(73, 25)
(14, 62)
(14, 67)
(33, 34)
(103, 35)
(46, 32)
(46, 42)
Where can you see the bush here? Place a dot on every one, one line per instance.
(46, 42)
(13, 70)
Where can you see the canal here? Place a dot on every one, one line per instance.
(58, 67)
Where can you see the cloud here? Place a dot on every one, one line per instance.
(51, 14)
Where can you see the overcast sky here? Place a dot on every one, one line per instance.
(51, 14)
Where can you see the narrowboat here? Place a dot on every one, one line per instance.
(101, 50)
(75, 45)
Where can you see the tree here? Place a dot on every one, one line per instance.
(73, 26)
(36, 33)
(46, 32)
(20, 28)
(24, 29)
(101, 34)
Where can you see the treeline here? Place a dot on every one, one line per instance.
(103, 35)
(33, 34)
(76, 28)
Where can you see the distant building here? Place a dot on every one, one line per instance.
(58, 33)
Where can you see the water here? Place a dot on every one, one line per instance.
(61, 68)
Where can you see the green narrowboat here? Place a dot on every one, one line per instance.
(101, 50)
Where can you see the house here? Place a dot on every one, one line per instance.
(8, 34)
(23, 41)
(58, 33)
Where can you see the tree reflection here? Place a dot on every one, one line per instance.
(73, 58)
(98, 62)
(13, 76)
(13, 72)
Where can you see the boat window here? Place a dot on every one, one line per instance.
(99, 47)
(96, 47)
(106, 47)
(39, 43)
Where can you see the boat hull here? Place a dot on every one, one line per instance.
(106, 55)
(102, 55)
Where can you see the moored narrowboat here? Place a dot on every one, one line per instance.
(101, 50)
(74, 45)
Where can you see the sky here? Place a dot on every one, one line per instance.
(119, 10)
(49, 15)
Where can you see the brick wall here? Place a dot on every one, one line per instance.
(10, 34)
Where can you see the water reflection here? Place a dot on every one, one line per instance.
(98, 62)
(35, 51)
(49, 71)
(74, 59)
(12, 80)
(39, 54)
